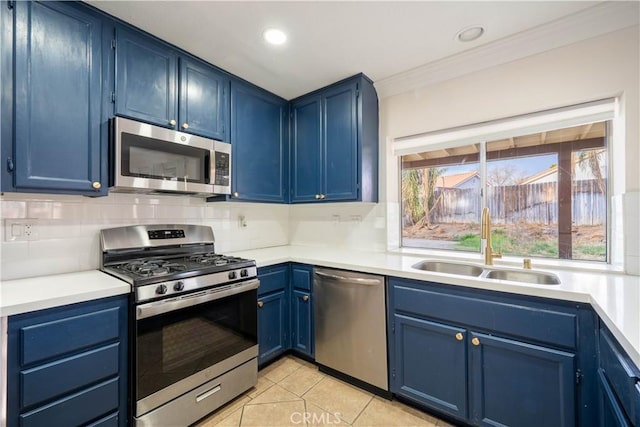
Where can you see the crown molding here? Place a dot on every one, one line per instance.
(600, 19)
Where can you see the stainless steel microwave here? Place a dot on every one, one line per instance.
(150, 159)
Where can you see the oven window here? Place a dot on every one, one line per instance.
(151, 158)
(178, 344)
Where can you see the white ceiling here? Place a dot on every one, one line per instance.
(329, 41)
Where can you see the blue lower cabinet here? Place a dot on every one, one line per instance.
(273, 312)
(491, 359)
(619, 383)
(273, 325)
(285, 310)
(302, 322)
(430, 364)
(68, 365)
(519, 384)
(302, 329)
(611, 412)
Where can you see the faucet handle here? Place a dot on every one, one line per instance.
(497, 254)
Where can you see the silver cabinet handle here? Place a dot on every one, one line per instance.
(357, 280)
(185, 126)
(172, 122)
(322, 196)
(318, 197)
(305, 298)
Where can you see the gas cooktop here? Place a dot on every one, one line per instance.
(143, 271)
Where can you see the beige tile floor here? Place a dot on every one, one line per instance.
(292, 392)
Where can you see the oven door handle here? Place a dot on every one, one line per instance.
(164, 306)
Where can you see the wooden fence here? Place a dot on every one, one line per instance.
(531, 203)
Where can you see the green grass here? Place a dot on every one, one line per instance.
(597, 251)
(510, 245)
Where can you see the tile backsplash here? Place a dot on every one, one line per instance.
(341, 225)
(66, 228)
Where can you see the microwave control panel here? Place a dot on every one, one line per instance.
(222, 169)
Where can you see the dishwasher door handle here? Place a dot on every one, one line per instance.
(356, 280)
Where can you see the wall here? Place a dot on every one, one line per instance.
(359, 226)
(598, 68)
(68, 227)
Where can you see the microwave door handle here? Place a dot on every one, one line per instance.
(207, 168)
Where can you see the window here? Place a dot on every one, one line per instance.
(547, 192)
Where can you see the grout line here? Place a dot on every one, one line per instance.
(362, 410)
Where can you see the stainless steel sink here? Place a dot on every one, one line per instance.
(536, 277)
(449, 268)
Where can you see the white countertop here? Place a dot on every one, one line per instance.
(37, 293)
(615, 297)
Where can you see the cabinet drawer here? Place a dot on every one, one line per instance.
(302, 276)
(532, 323)
(77, 409)
(273, 278)
(108, 421)
(636, 397)
(58, 337)
(620, 373)
(66, 375)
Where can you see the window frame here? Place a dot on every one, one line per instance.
(597, 111)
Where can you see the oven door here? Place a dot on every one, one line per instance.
(182, 342)
(148, 157)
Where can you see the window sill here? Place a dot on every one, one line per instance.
(512, 261)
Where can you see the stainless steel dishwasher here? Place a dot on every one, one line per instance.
(350, 325)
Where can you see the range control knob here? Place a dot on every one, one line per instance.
(232, 275)
(178, 286)
(244, 272)
(161, 289)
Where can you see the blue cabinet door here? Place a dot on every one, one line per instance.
(146, 79)
(302, 322)
(340, 143)
(611, 412)
(273, 325)
(430, 364)
(515, 383)
(203, 99)
(58, 71)
(306, 150)
(68, 365)
(260, 144)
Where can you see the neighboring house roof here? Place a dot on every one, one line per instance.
(538, 176)
(455, 180)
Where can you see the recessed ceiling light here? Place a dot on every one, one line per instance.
(274, 36)
(470, 34)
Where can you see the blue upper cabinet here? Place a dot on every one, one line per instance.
(156, 83)
(203, 99)
(335, 143)
(146, 79)
(260, 144)
(59, 140)
(306, 149)
(340, 143)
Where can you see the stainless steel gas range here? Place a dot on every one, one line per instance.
(194, 339)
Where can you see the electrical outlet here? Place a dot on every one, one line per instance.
(242, 221)
(20, 230)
